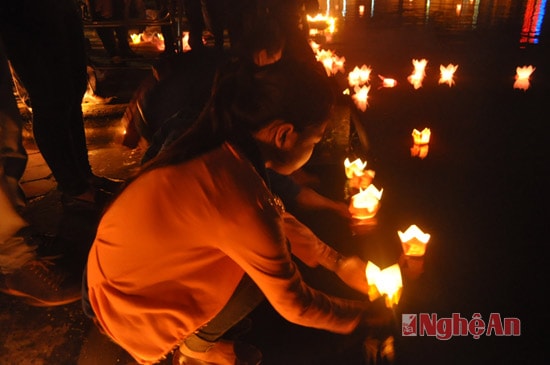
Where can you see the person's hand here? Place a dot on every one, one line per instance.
(351, 270)
(341, 209)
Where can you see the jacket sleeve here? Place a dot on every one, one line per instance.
(261, 250)
(306, 245)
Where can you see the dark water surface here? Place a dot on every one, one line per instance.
(482, 190)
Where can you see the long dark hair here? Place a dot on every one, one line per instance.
(246, 98)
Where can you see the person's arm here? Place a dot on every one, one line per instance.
(309, 199)
(299, 196)
(313, 252)
(251, 231)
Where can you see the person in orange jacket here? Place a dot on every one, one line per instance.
(197, 240)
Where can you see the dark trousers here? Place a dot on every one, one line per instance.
(246, 297)
(44, 42)
(114, 39)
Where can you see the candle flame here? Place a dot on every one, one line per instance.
(419, 73)
(447, 73)
(387, 282)
(523, 75)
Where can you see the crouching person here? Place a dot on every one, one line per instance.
(197, 240)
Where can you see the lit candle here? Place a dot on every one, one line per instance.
(414, 241)
(447, 73)
(359, 76)
(361, 96)
(522, 77)
(419, 73)
(421, 137)
(420, 142)
(365, 203)
(136, 38)
(332, 63)
(355, 168)
(387, 82)
(386, 282)
(358, 177)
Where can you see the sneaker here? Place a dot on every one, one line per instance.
(41, 284)
(221, 353)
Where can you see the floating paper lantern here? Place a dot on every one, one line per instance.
(421, 139)
(522, 77)
(386, 282)
(447, 74)
(332, 63)
(365, 204)
(414, 241)
(354, 168)
(419, 73)
(359, 76)
(358, 177)
(360, 98)
(387, 82)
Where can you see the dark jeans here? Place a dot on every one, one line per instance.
(44, 41)
(245, 299)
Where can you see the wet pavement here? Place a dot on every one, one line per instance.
(481, 193)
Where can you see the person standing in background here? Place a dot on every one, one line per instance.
(38, 280)
(53, 70)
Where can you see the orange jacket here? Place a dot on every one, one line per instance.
(172, 248)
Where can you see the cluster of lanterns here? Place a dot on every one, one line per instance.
(364, 205)
(359, 77)
(365, 196)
